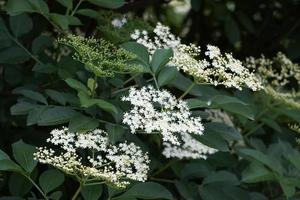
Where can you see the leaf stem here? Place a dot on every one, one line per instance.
(166, 166)
(155, 81)
(188, 90)
(76, 8)
(77, 191)
(37, 187)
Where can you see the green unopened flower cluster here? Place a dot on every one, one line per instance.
(278, 71)
(99, 56)
(286, 98)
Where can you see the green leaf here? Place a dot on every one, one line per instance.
(3, 155)
(167, 75)
(197, 103)
(23, 154)
(221, 177)
(61, 20)
(20, 24)
(16, 7)
(199, 169)
(269, 161)
(108, 3)
(81, 123)
(138, 49)
(160, 58)
(19, 185)
(227, 132)
(225, 192)
(115, 133)
(56, 195)
(21, 108)
(148, 190)
(77, 85)
(40, 6)
(44, 68)
(88, 13)
(86, 102)
(13, 55)
(56, 115)
(33, 95)
(67, 3)
(288, 186)
(73, 21)
(256, 172)
(92, 84)
(34, 115)
(50, 180)
(291, 113)
(213, 140)
(56, 96)
(9, 165)
(40, 43)
(91, 192)
(223, 99)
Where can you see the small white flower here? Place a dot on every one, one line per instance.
(118, 23)
(159, 111)
(218, 69)
(114, 164)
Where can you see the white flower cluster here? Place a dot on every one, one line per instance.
(163, 38)
(217, 69)
(278, 71)
(119, 23)
(190, 148)
(113, 164)
(159, 111)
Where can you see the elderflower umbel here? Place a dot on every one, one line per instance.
(190, 148)
(277, 72)
(216, 69)
(159, 111)
(113, 164)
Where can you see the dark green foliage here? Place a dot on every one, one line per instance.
(42, 87)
